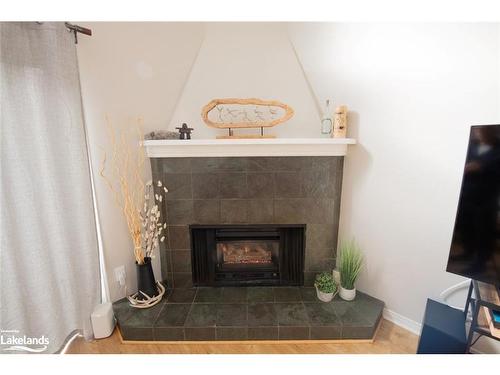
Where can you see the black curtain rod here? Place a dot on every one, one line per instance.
(78, 29)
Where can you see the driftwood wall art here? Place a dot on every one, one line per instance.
(233, 113)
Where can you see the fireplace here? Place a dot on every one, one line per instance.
(247, 254)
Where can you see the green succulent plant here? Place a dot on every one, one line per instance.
(350, 263)
(325, 283)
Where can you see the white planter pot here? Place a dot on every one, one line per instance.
(347, 294)
(325, 297)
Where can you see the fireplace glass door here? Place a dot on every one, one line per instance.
(247, 254)
(243, 255)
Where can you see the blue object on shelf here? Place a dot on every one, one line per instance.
(496, 318)
(496, 315)
(443, 330)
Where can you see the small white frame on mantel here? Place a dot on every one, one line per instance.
(247, 147)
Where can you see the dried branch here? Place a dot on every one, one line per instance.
(140, 209)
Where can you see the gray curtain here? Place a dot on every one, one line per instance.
(49, 255)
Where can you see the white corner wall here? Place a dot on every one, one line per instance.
(498, 51)
(413, 91)
(247, 60)
(130, 70)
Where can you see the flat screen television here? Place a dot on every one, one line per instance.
(475, 247)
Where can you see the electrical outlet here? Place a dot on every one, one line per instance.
(120, 275)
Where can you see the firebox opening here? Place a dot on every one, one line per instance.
(247, 252)
(248, 255)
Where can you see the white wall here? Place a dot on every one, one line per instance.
(413, 90)
(248, 60)
(148, 70)
(130, 70)
(498, 49)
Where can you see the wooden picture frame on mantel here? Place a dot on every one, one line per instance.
(237, 118)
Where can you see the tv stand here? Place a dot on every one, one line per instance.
(443, 330)
(485, 298)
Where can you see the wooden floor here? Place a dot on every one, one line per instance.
(390, 339)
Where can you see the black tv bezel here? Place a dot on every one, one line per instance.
(487, 281)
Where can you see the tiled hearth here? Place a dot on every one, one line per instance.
(251, 313)
(242, 193)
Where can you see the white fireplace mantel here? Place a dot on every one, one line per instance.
(247, 147)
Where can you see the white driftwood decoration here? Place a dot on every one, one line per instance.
(146, 301)
(234, 113)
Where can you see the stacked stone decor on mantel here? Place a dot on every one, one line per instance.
(249, 190)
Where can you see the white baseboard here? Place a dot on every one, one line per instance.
(402, 321)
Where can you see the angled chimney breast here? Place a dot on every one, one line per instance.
(247, 61)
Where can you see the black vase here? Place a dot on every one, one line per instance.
(146, 279)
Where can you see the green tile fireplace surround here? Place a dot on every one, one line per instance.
(250, 190)
(239, 191)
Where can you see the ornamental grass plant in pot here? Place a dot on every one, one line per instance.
(325, 287)
(350, 264)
